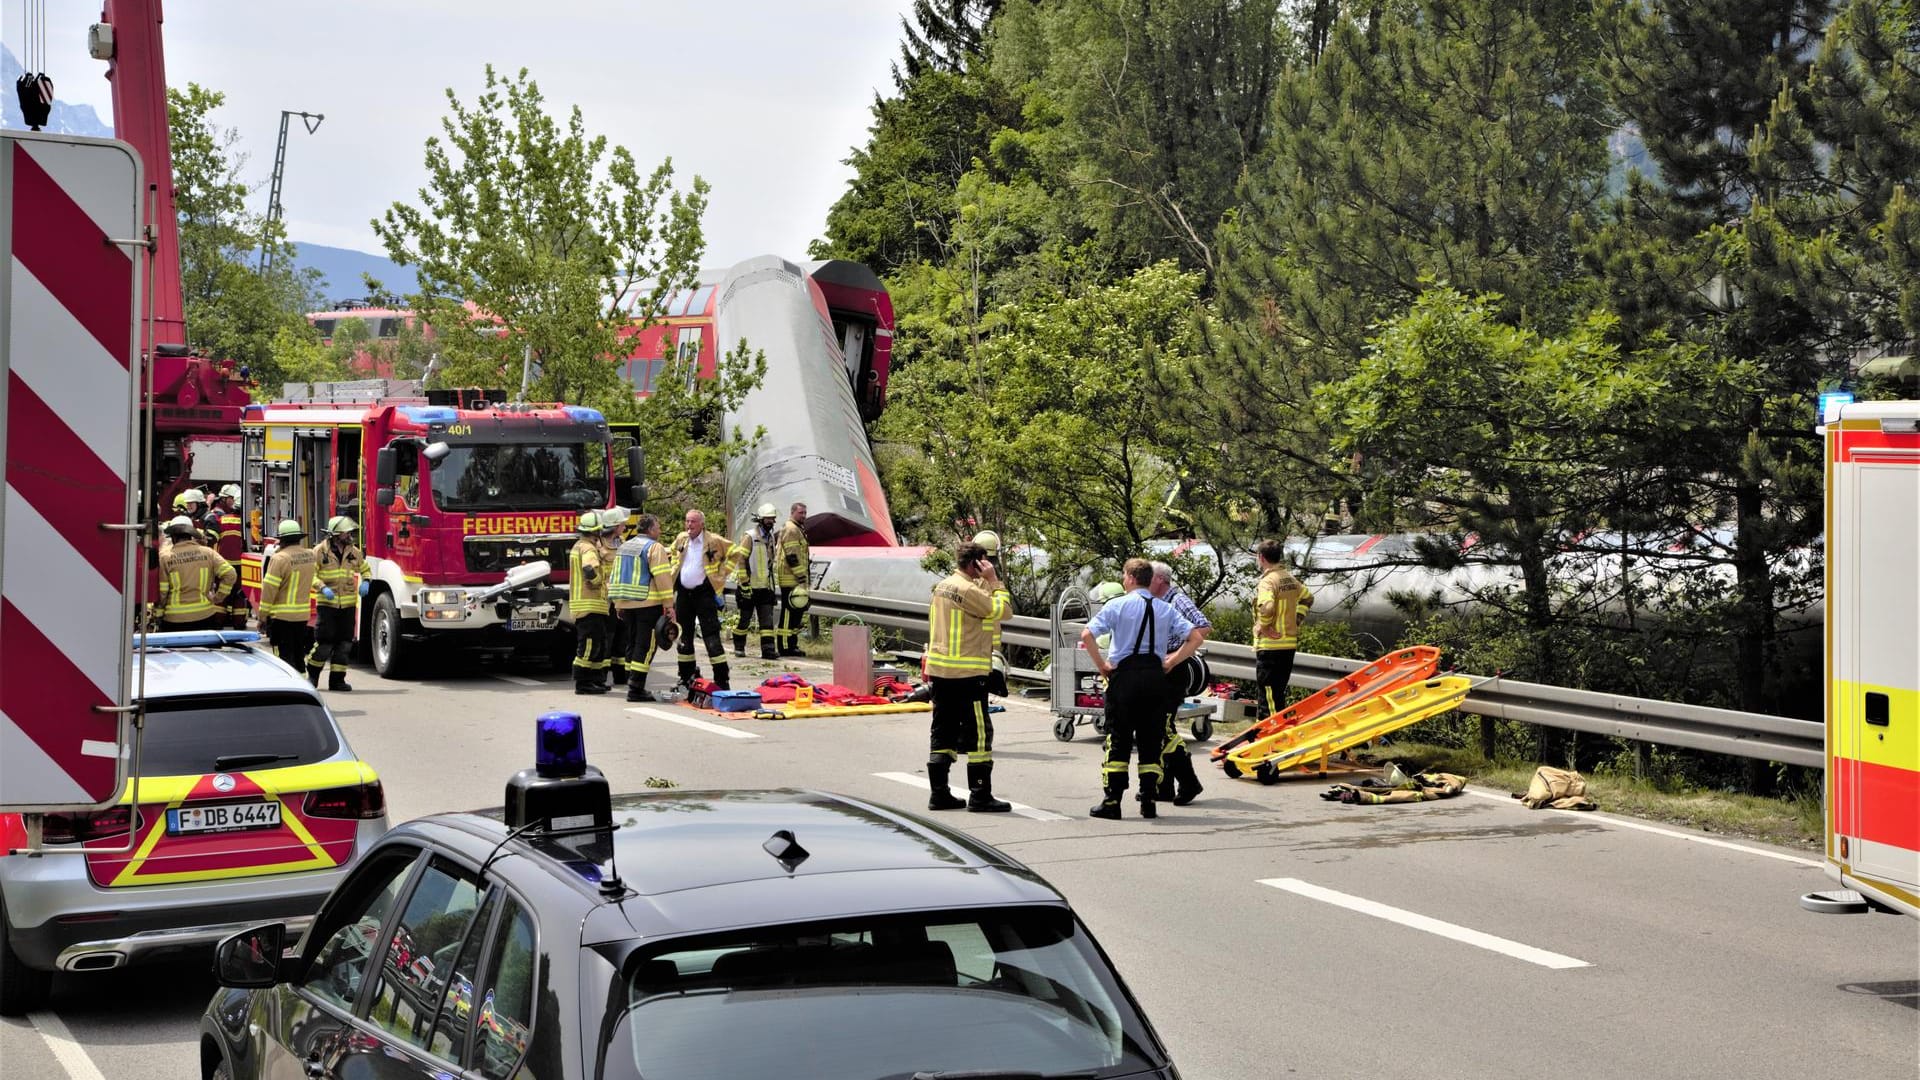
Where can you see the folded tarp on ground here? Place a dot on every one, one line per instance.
(1421, 787)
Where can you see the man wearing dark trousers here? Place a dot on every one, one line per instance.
(1143, 632)
(641, 587)
(753, 567)
(960, 621)
(1279, 603)
(340, 573)
(1179, 784)
(588, 604)
(701, 560)
(790, 573)
(286, 595)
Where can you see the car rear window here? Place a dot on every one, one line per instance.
(881, 998)
(210, 733)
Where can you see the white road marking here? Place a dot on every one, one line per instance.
(1022, 809)
(519, 680)
(68, 1052)
(1626, 823)
(1422, 922)
(688, 721)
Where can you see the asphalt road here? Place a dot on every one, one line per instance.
(1265, 931)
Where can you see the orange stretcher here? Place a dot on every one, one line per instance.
(1394, 670)
(1314, 741)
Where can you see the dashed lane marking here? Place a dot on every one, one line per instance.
(702, 725)
(1624, 823)
(68, 1052)
(519, 680)
(1424, 922)
(1022, 809)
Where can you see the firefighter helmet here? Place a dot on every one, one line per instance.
(341, 524)
(766, 511)
(1107, 591)
(589, 522)
(180, 526)
(665, 636)
(230, 491)
(988, 539)
(615, 518)
(799, 599)
(290, 527)
(188, 498)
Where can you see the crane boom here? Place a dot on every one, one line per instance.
(136, 67)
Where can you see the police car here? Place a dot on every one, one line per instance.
(719, 935)
(251, 806)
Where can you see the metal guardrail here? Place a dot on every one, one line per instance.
(1664, 723)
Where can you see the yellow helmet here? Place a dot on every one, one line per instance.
(589, 522)
(290, 527)
(799, 599)
(988, 539)
(342, 524)
(1108, 590)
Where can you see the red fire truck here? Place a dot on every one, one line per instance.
(452, 489)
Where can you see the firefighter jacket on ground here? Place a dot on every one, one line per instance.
(192, 577)
(288, 584)
(791, 544)
(642, 574)
(587, 577)
(718, 557)
(1279, 603)
(959, 622)
(337, 569)
(753, 560)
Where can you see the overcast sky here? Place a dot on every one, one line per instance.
(763, 98)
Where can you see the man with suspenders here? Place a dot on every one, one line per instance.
(1144, 632)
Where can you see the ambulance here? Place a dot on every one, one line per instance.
(1872, 657)
(466, 505)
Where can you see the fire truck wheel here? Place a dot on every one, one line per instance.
(22, 989)
(392, 653)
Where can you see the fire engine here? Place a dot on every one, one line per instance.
(1872, 633)
(466, 504)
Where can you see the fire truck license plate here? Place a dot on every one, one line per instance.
(533, 619)
(227, 817)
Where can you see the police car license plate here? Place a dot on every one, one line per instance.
(225, 817)
(533, 619)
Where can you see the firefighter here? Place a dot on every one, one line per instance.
(1144, 632)
(587, 602)
(1280, 602)
(700, 562)
(224, 523)
(989, 542)
(1179, 784)
(754, 561)
(616, 522)
(791, 574)
(966, 606)
(193, 580)
(340, 575)
(640, 586)
(192, 505)
(286, 594)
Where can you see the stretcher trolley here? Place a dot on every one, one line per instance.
(1076, 691)
(1390, 672)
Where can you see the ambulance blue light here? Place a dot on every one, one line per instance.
(585, 415)
(430, 414)
(560, 745)
(1830, 402)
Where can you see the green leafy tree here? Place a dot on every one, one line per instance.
(233, 311)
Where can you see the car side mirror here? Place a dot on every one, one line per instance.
(386, 465)
(251, 959)
(384, 497)
(637, 475)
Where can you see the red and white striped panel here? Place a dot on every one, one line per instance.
(68, 297)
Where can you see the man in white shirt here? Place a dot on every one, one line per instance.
(701, 563)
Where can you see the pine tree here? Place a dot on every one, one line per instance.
(942, 35)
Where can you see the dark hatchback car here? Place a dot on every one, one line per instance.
(728, 935)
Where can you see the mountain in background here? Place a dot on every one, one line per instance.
(65, 120)
(340, 270)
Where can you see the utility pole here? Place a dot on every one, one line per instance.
(312, 123)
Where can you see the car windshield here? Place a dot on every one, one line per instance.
(189, 736)
(521, 476)
(880, 998)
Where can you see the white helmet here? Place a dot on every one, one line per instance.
(766, 510)
(231, 491)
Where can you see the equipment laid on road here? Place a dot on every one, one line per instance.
(1361, 722)
(1397, 787)
(1396, 669)
(1556, 789)
(1873, 684)
(1077, 694)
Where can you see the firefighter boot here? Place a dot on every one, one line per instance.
(1109, 807)
(619, 673)
(313, 676)
(637, 688)
(720, 671)
(740, 645)
(337, 680)
(1186, 782)
(939, 796)
(1149, 787)
(689, 671)
(769, 649)
(980, 798)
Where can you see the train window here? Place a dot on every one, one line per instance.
(698, 305)
(688, 347)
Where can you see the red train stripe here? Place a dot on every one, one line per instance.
(56, 240)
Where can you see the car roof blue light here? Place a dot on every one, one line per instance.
(560, 745)
(187, 639)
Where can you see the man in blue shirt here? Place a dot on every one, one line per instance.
(1143, 631)
(1178, 782)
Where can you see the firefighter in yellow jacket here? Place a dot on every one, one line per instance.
(701, 560)
(966, 609)
(286, 595)
(754, 560)
(194, 581)
(340, 575)
(641, 586)
(587, 579)
(790, 573)
(1280, 602)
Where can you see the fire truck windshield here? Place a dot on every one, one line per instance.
(521, 476)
